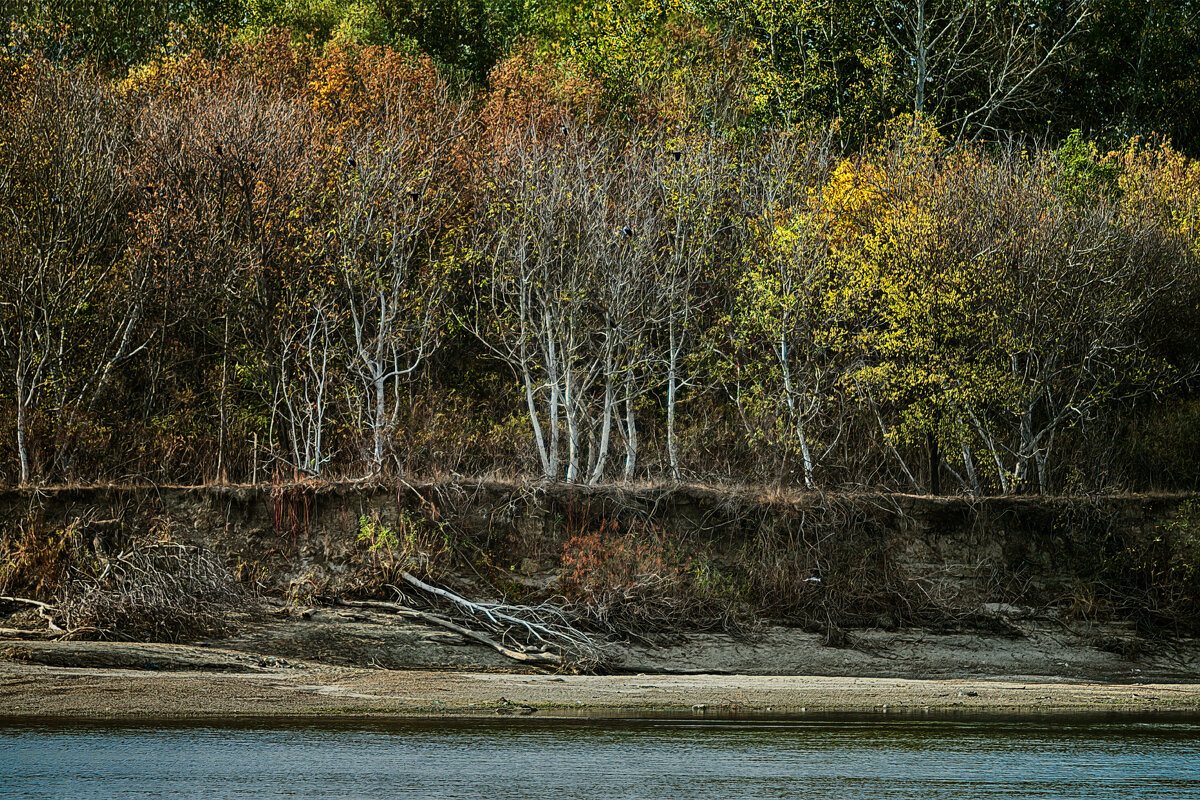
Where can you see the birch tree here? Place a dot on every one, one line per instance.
(307, 370)
(565, 253)
(691, 176)
(780, 325)
(969, 62)
(389, 212)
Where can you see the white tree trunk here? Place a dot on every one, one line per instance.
(631, 436)
(22, 423)
(601, 455)
(553, 373)
(672, 386)
(538, 436)
(379, 423)
(570, 401)
(798, 423)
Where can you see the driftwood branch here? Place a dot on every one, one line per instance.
(498, 616)
(539, 634)
(28, 602)
(44, 610)
(434, 619)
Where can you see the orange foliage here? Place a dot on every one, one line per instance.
(532, 88)
(274, 61)
(1159, 180)
(359, 85)
(606, 560)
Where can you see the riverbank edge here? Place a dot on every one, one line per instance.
(31, 693)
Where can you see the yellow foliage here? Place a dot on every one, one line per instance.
(1159, 180)
(850, 198)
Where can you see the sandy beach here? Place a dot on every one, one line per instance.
(282, 688)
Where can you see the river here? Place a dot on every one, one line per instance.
(843, 758)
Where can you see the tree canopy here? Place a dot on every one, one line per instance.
(902, 244)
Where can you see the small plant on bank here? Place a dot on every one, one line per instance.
(417, 544)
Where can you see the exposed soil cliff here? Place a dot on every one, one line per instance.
(682, 578)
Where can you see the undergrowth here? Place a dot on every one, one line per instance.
(824, 570)
(152, 589)
(1152, 576)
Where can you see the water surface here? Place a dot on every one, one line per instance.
(838, 759)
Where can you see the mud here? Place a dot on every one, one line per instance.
(338, 661)
(302, 689)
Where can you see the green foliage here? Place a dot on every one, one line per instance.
(320, 20)
(1134, 73)
(375, 535)
(120, 34)
(812, 61)
(416, 544)
(1083, 177)
(1123, 68)
(467, 37)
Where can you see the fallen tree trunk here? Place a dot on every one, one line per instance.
(434, 619)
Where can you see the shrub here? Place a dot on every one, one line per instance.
(157, 591)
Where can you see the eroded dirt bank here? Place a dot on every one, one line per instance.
(806, 601)
(682, 558)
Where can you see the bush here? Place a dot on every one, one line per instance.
(158, 592)
(645, 580)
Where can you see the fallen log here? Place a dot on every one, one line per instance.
(434, 619)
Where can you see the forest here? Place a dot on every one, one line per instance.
(927, 246)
